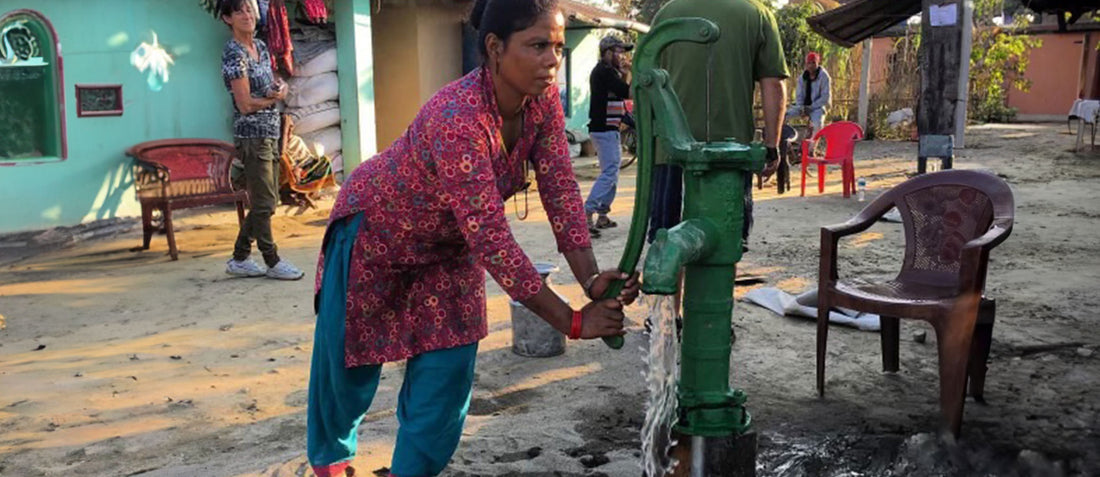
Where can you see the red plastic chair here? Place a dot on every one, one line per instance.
(840, 144)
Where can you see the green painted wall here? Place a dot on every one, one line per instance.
(356, 71)
(96, 41)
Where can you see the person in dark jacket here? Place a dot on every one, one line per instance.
(610, 86)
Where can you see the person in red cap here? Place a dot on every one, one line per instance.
(812, 96)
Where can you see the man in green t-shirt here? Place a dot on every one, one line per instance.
(747, 52)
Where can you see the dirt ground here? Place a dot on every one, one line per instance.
(115, 362)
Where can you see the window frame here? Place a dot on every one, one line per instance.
(59, 74)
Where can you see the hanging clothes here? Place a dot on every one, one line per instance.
(264, 7)
(316, 11)
(278, 38)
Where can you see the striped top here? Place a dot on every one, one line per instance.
(606, 108)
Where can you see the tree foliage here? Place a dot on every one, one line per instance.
(998, 60)
(798, 39)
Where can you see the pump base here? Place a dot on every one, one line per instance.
(732, 456)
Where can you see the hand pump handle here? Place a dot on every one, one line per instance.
(695, 30)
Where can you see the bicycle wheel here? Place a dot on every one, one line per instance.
(629, 140)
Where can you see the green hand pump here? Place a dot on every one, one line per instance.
(706, 244)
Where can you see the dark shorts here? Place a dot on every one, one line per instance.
(668, 198)
(667, 202)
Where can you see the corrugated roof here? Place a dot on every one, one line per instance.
(858, 20)
(594, 16)
(574, 7)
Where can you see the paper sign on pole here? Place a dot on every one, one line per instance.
(945, 15)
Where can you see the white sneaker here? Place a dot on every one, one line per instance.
(284, 270)
(244, 268)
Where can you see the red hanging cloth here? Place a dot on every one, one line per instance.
(278, 38)
(316, 10)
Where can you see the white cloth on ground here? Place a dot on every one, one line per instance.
(892, 215)
(805, 305)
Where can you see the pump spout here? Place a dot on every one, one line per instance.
(686, 243)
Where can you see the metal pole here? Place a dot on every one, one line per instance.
(865, 83)
(706, 102)
(698, 453)
(964, 73)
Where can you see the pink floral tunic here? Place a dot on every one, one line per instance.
(434, 221)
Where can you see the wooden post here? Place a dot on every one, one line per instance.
(964, 73)
(1082, 88)
(941, 45)
(940, 55)
(865, 83)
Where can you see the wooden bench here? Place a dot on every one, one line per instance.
(173, 174)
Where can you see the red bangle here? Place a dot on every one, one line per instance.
(575, 329)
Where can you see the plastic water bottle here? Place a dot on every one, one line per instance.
(861, 187)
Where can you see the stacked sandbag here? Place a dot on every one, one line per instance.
(316, 117)
(314, 92)
(307, 91)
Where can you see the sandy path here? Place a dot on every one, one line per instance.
(153, 367)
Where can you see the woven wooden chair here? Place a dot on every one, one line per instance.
(173, 174)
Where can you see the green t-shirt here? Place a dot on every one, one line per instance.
(747, 50)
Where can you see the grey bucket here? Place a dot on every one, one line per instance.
(532, 336)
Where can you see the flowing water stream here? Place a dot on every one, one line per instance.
(662, 375)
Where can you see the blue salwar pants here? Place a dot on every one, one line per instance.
(432, 403)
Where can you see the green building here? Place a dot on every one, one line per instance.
(72, 100)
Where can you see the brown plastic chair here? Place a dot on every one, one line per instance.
(952, 219)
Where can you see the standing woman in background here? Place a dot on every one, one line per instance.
(246, 69)
(402, 270)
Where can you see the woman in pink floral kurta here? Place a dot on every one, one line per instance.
(402, 272)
